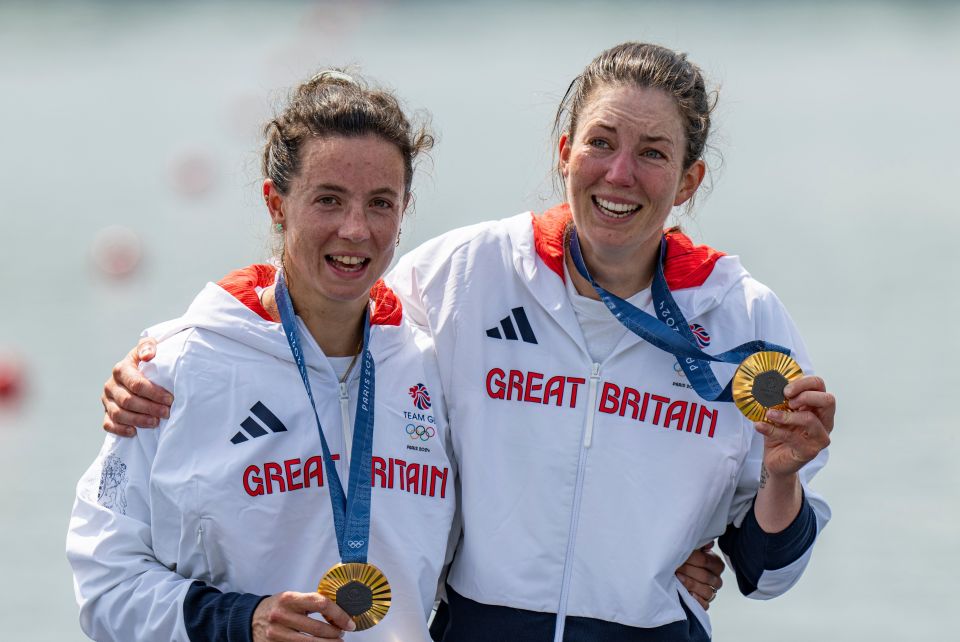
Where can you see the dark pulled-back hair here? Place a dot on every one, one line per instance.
(645, 65)
(334, 103)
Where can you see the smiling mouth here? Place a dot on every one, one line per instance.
(347, 263)
(616, 210)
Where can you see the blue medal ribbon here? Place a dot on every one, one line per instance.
(671, 332)
(351, 510)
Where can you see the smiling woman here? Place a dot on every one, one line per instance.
(573, 534)
(336, 186)
(258, 490)
(340, 219)
(624, 170)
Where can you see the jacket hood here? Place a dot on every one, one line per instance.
(242, 284)
(231, 307)
(698, 275)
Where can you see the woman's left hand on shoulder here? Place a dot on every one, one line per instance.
(794, 438)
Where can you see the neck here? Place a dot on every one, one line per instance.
(623, 274)
(336, 326)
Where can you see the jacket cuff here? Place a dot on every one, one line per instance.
(786, 547)
(210, 614)
(753, 551)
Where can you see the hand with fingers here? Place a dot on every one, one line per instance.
(285, 617)
(790, 441)
(129, 398)
(794, 438)
(700, 574)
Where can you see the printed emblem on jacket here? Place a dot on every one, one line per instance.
(510, 330)
(420, 425)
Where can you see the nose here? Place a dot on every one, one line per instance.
(354, 226)
(622, 169)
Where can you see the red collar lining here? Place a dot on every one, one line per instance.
(242, 284)
(686, 266)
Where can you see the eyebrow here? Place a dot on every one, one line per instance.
(333, 187)
(651, 139)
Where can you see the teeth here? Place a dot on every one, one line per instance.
(618, 210)
(348, 260)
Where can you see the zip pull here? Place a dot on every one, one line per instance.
(592, 398)
(345, 422)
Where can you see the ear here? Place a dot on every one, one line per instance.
(689, 181)
(564, 148)
(274, 201)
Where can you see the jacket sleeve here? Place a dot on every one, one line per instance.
(123, 590)
(767, 565)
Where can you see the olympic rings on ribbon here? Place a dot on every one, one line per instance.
(421, 432)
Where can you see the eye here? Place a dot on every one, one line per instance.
(653, 153)
(326, 200)
(381, 203)
(599, 143)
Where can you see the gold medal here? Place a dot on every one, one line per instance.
(759, 382)
(362, 590)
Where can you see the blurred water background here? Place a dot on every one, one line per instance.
(838, 131)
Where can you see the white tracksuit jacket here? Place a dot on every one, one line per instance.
(585, 485)
(229, 494)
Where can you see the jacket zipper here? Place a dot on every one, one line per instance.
(577, 494)
(588, 430)
(347, 430)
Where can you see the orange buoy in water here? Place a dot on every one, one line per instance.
(12, 381)
(116, 251)
(193, 174)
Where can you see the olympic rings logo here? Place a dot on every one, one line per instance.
(421, 432)
(353, 543)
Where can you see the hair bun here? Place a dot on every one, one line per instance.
(333, 75)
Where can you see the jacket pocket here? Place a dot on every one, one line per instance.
(216, 566)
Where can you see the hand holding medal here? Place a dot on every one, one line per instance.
(286, 616)
(793, 412)
(797, 434)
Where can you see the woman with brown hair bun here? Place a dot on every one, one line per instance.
(286, 461)
(586, 353)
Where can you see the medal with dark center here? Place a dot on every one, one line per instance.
(759, 382)
(361, 590)
(358, 587)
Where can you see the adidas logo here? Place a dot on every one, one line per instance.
(509, 332)
(256, 430)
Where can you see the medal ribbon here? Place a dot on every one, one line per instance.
(351, 510)
(671, 333)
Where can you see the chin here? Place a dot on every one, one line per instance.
(338, 291)
(349, 295)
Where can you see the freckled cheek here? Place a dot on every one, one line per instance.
(308, 242)
(656, 184)
(586, 168)
(582, 177)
